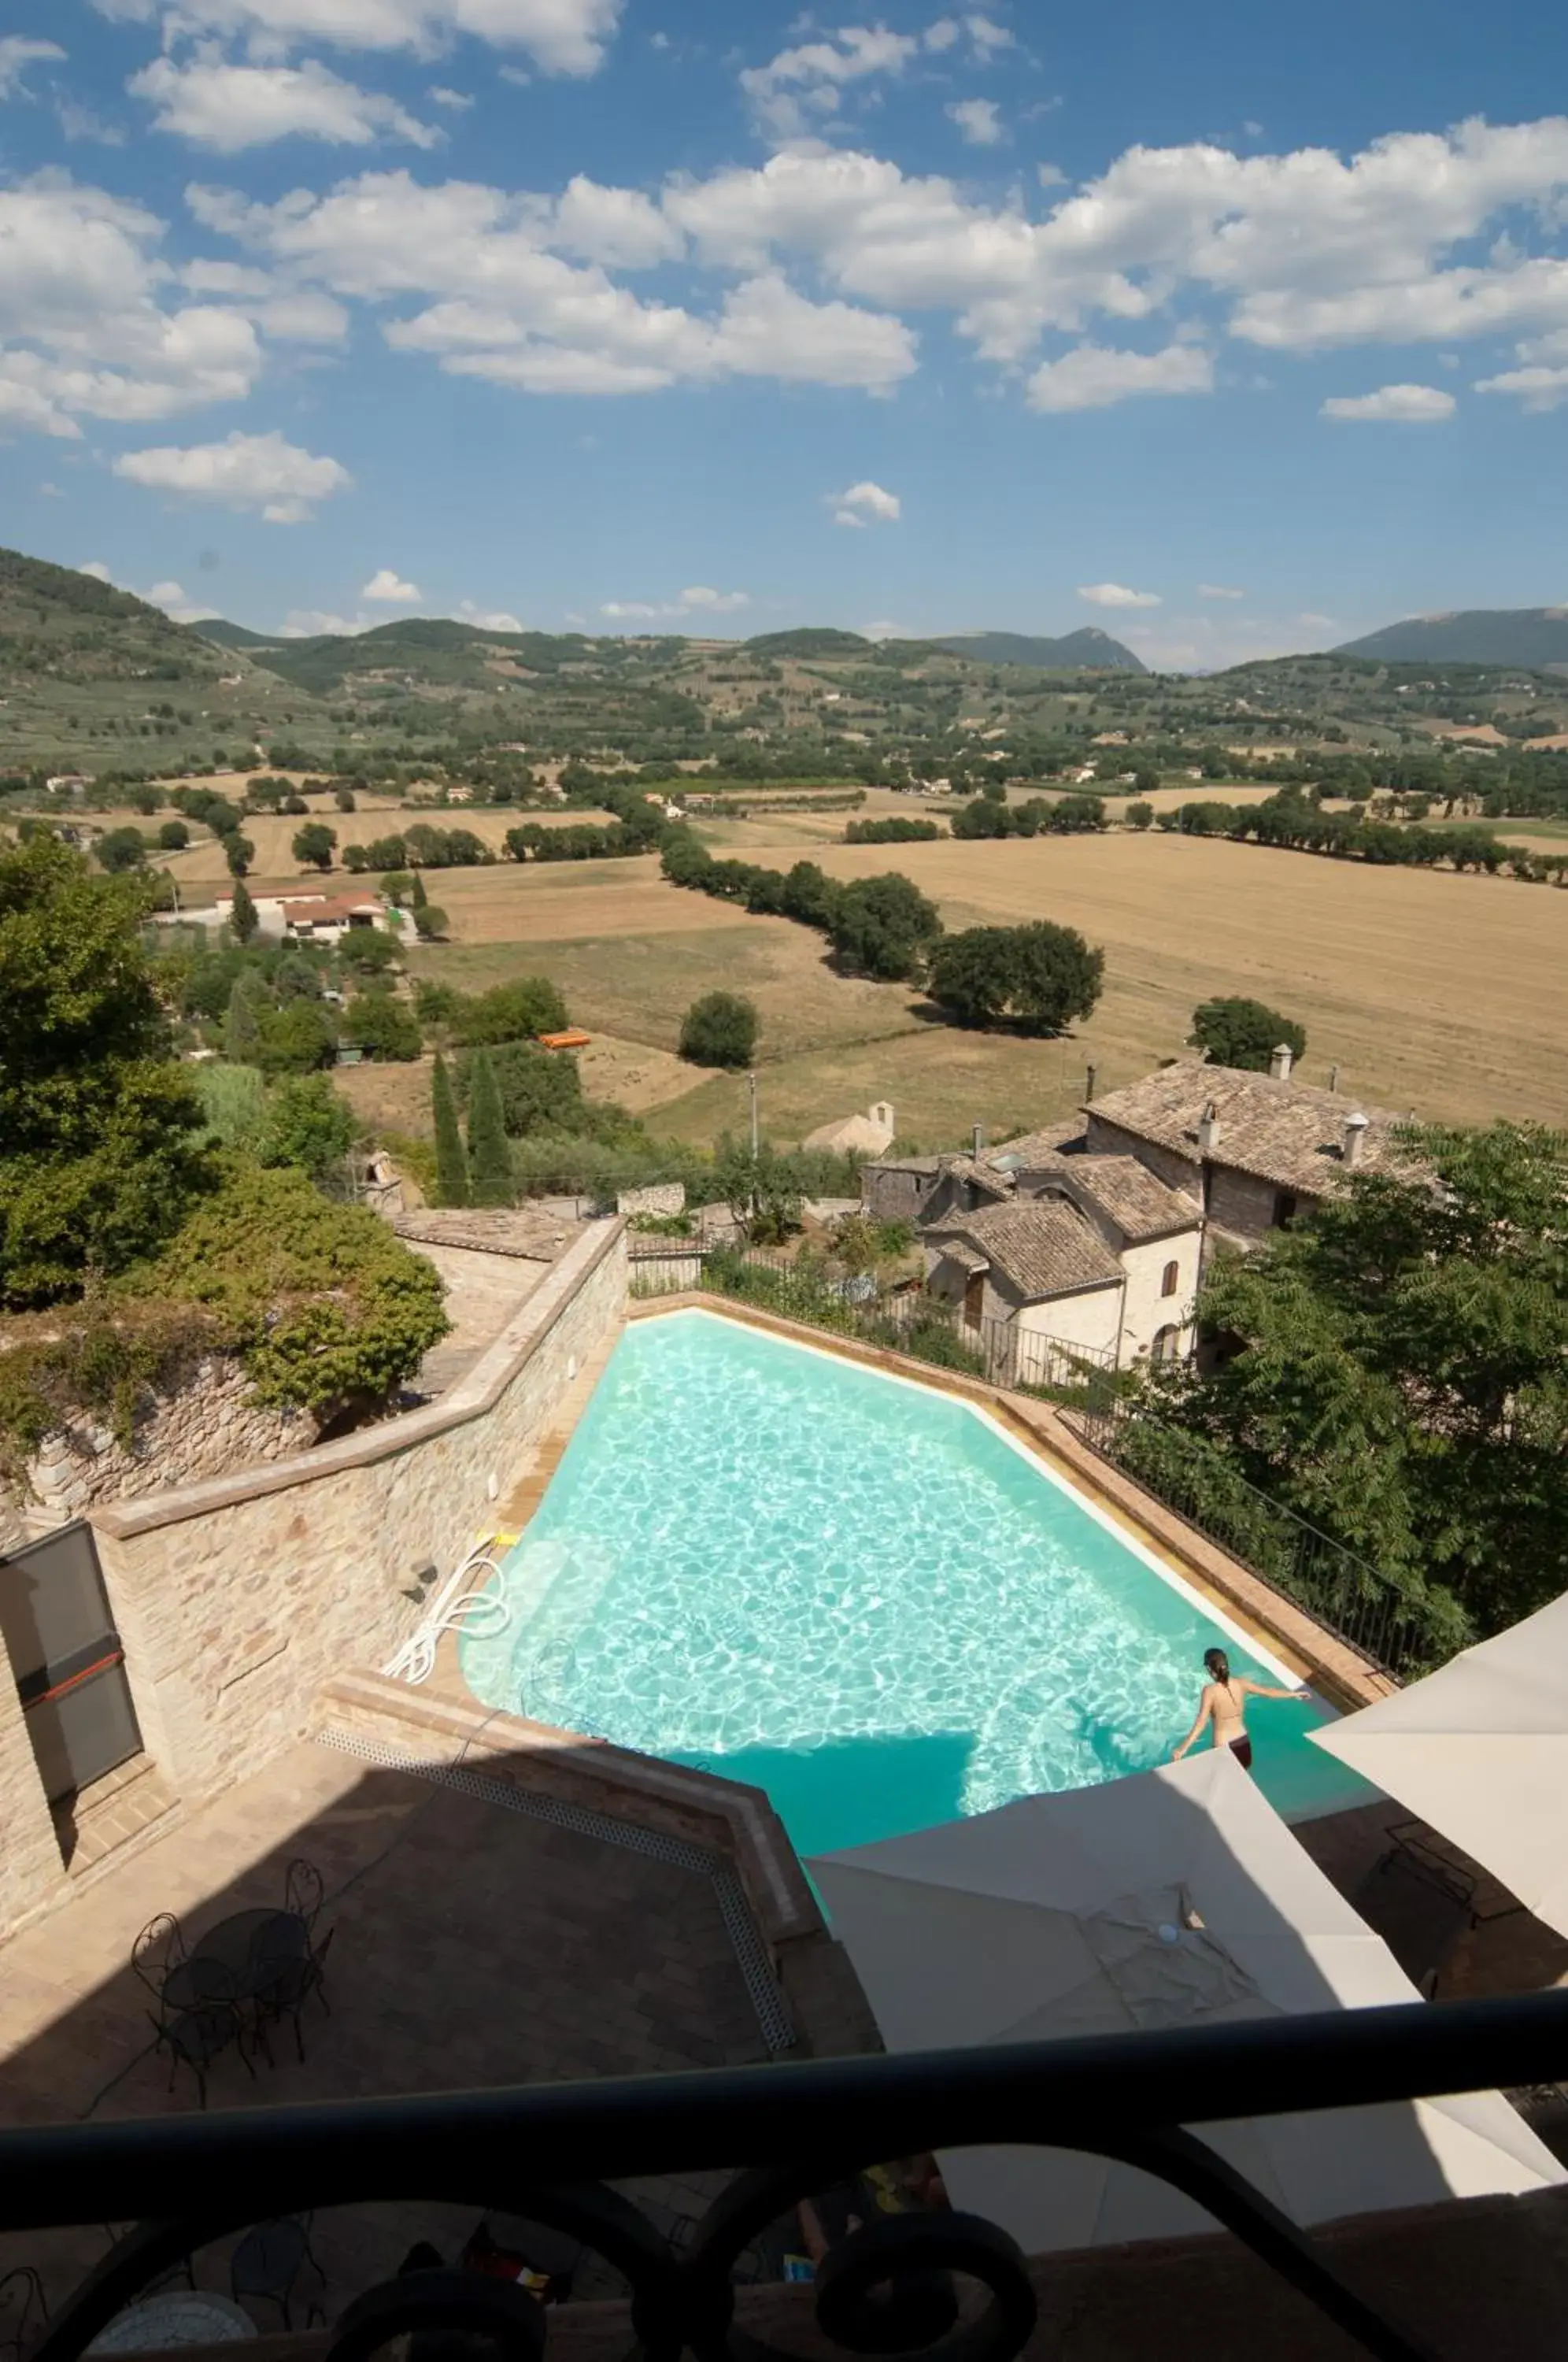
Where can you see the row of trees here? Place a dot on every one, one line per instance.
(1295, 821)
(989, 814)
(893, 831)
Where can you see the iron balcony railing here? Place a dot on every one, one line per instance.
(1343, 1592)
(896, 2285)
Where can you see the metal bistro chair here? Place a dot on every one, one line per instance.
(195, 2037)
(157, 1950)
(23, 2309)
(268, 2260)
(302, 1889)
(287, 1984)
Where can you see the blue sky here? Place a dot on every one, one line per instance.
(1229, 330)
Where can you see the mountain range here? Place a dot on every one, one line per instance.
(1534, 638)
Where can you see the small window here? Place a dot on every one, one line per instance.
(1170, 1280)
(1284, 1208)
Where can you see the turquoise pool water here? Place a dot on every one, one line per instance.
(853, 1591)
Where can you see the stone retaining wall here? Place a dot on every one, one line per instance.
(236, 1598)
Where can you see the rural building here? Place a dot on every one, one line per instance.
(327, 918)
(1094, 1252)
(921, 1189)
(1254, 1150)
(856, 1135)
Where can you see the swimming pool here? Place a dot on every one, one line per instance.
(854, 1592)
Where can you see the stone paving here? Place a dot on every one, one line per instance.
(472, 1947)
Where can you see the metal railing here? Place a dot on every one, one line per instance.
(1364, 1609)
(561, 2155)
(905, 1320)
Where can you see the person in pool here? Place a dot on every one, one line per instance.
(1224, 1704)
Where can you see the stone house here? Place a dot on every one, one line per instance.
(1257, 1152)
(921, 1189)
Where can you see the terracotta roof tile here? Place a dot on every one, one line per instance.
(1287, 1132)
(1136, 1200)
(1044, 1247)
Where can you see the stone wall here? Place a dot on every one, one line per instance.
(236, 1598)
(206, 1426)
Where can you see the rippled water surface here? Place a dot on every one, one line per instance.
(853, 1591)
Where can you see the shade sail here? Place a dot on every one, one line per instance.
(1479, 1750)
(1174, 1897)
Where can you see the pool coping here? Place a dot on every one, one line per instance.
(1259, 1613)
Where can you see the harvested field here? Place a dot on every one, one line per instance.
(1428, 990)
(396, 1098)
(274, 835)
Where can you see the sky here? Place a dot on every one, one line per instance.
(1229, 330)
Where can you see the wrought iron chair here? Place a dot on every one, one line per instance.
(268, 2260)
(195, 2037)
(159, 1947)
(286, 1991)
(23, 2309)
(302, 1889)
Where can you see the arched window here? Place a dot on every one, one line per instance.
(1166, 1344)
(1172, 1279)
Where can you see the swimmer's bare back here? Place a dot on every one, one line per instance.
(1223, 1707)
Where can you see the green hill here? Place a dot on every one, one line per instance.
(1088, 650)
(814, 640)
(231, 636)
(1530, 637)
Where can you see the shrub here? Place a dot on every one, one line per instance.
(305, 1124)
(120, 848)
(517, 1011)
(384, 1027)
(720, 1029)
(173, 836)
(540, 1090)
(429, 922)
(1240, 1032)
(329, 1310)
(295, 1040)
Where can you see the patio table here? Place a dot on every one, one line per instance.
(178, 2317)
(236, 1959)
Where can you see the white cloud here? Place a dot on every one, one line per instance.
(490, 619)
(1403, 403)
(1217, 591)
(176, 604)
(1091, 376)
(986, 34)
(387, 588)
(622, 609)
(244, 471)
(865, 503)
(802, 85)
(1113, 595)
(979, 120)
(313, 623)
(700, 600)
(456, 102)
(97, 569)
(1317, 622)
(230, 107)
(714, 603)
(565, 37)
(82, 329)
(1539, 386)
(510, 310)
(17, 53)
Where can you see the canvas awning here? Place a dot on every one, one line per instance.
(1176, 1897)
(1479, 1750)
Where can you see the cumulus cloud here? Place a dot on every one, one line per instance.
(1092, 376)
(487, 619)
(1540, 386)
(316, 623)
(231, 107)
(243, 471)
(1217, 591)
(387, 588)
(565, 37)
(865, 503)
(700, 600)
(84, 330)
(1115, 594)
(17, 53)
(456, 102)
(979, 120)
(97, 569)
(986, 34)
(1403, 403)
(177, 604)
(714, 603)
(794, 90)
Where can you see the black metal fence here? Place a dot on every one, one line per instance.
(564, 2154)
(813, 1290)
(1350, 1598)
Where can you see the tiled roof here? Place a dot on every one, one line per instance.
(1287, 1132)
(329, 908)
(978, 1176)
(1044, 1247)
(1030, 1149)
(1137, 1201)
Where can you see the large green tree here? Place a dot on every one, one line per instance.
(1401, 1376)
(540, 1090)
(1240, 1033)
(315, 845)
(718, 1030)
(1039, 976)
(883, 926)
(99, 1126)
(490, 1159)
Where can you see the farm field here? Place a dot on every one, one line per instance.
(272, 834)
(1428, 990)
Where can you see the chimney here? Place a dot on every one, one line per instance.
(1208, 1130)
(979, 1137)
(1279, 1062)
(1091, 1081)
(1355, 1141)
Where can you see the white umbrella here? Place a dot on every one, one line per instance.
(1480, 1750)
(1174, 1897)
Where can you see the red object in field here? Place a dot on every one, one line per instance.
(574, 1038)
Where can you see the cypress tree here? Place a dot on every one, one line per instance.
(416, 898)
(489, 1158)
(243, 917)
(451, 1165)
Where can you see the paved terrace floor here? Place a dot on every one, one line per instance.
(473, 1947)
